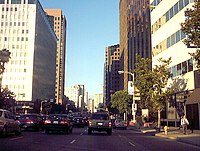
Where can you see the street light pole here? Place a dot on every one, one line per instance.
(134, 105)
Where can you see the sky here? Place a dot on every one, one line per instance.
(92, 25)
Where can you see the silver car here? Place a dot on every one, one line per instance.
(8, 124)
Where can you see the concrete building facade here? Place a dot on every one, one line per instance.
(167, 41)
(58, 21)
(111, 75)
(28, 35)
(135, 33)
(76, 93)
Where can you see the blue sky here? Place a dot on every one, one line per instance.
(92, 25)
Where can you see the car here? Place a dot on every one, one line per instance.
(120, 123)
(78, 122)
(59, 123)
(31, 121)
(8, 123)
(100, 121)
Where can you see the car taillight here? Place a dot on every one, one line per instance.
(110, 124)
(83, 121)
(64, 122)
(47, 122)
(90, 123)
(29, 122)
(125, 124)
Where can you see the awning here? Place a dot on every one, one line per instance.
(194, 97)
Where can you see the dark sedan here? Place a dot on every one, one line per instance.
(30, 121)
(78, 122)
(59, 123)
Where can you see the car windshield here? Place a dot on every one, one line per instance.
(100, 116)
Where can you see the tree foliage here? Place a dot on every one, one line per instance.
(152, 82)
(7, 99)
(122, 101)
(4, 58)
(144, 81)
(191, 27)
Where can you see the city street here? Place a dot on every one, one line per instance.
(79, 140)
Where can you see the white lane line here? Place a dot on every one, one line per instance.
(81, 134)
(72, 141)
(120, 136)
(12, 139)
(131, 144)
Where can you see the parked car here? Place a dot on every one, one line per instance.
(100, 122)
(31, 121)
(58, 122)
(8, 123)
(78, 122)
(120, 123)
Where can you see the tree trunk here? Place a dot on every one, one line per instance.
(159, 123)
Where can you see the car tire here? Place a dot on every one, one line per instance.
(89, 131)
(46, 131)
(109, 132)
(18, 132)
(4, 132)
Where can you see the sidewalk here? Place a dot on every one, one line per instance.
(173, 133)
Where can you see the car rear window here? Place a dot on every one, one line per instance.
(100, 117)
(57, 117)
(28, 117)
(1, 113)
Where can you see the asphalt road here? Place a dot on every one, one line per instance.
(79, 140)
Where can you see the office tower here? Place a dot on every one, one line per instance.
(135, 33)
(167, 41)
(58, 21)
(111, 75)
(27, 34)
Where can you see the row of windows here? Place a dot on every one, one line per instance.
(170, 13)
(171, 40)
(18, 1)
(12, 23)
(182, 68)
(18, 38)
(14, 16)
(15, 70)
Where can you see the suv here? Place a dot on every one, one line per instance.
(100, 122)
(8, 124)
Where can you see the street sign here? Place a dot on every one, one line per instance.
(130, 88)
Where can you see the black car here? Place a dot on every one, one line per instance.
(78, 122)
(30, 121)
(59, 123)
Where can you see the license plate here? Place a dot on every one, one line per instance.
(100, 123)
(55, 122)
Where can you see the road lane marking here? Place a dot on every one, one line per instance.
(72, 141)
(120, 136)
(131, 144)
(81, 134)
(12, 139)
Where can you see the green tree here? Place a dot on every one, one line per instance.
(122, 101)
(191, 27)
(144, 82)
(7, 99)
(161, 94)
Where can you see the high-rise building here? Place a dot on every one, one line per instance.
(135, 33)
(167, 41)
(58, 21)
(111, 75)
(76, 93)
(28, 35)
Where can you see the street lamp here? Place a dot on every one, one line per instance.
(134, 105)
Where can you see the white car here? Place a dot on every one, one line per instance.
(8, 124)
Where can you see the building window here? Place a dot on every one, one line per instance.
(190, 65)
(179, 72)
(184, 67)
(174, 71)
